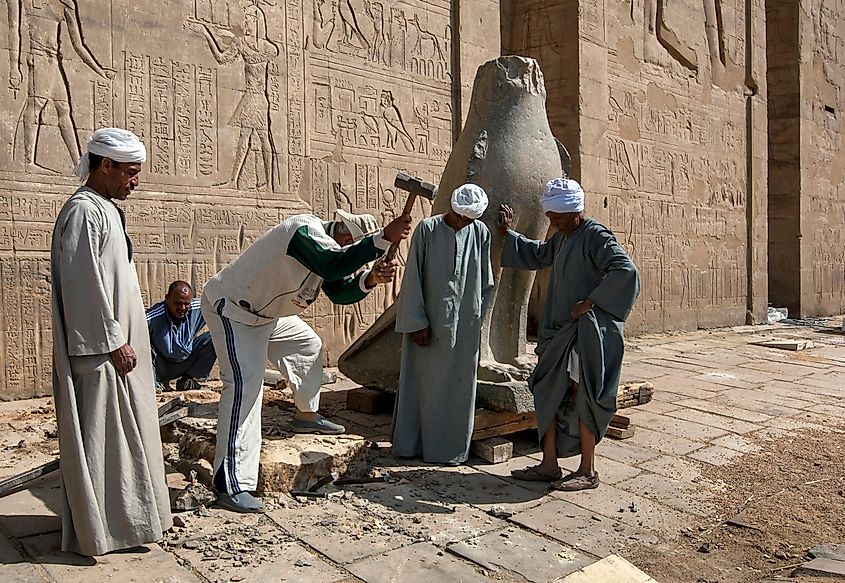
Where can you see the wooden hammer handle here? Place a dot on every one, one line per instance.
(409, 204)
(394, 247)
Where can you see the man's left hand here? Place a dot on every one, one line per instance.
(581, 308)
(383, 272)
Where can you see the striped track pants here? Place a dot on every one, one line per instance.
(242, 352)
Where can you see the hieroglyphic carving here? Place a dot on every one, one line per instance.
(369, 117)
(206, 89)
(677, 185)
(397, 36)
(724, 36)
(172, 105)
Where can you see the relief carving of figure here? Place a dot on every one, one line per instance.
(379, 44)
(327, 14)
(352, 34)
(248, 42)
(428, 39)
(660, 39)
(394, 124)
(660, 42)
(36, 27)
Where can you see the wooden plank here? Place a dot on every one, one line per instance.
(620, 421)
(171, 417)
(171, 405)
(617, 433)
(9, 485)
(493, 449)
(492, 423)
(369, 400)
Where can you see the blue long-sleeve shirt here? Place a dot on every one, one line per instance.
(173, 340)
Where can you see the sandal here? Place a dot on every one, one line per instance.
(531, 474)
(575, 483)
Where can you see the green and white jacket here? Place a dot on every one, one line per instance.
(283, 271)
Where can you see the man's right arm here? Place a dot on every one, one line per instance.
(323, 256)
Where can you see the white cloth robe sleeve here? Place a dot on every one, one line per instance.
(410, 314)
(89, 318)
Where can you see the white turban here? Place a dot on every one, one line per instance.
(469, 201)
(562, 196)
(115, 144)
(359, 226)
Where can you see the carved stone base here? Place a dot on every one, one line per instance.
(288, 461)
(513, 397)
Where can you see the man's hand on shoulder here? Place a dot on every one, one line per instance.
(505, 219)
(398, 229)
(124, 359)
(422, 337)
(383, 272)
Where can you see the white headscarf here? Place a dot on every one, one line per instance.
(115, 144)
(359, 226)
(469, 201)
(562, 196)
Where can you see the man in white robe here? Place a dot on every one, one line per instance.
(445, 289)
(115, 494)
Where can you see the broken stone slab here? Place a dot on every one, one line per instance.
(512, 397)
(295, 462)
(192, 497)
(787, 344)
(822, 568)
(828, 551)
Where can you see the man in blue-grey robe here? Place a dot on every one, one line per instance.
(445, 290)
(593, 287)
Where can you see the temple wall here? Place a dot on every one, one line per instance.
(251, 111)
(662, 106)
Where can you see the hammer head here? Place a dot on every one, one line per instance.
(416, 186)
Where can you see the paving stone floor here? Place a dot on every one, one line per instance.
(716, 396)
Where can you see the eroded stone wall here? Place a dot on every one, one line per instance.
(822, 60)
(251, 111)
(806, 48)
(662, 104)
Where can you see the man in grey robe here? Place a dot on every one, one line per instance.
(445, 290)
(593, 287)
(115, 494)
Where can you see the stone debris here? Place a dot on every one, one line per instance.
(499, 512)
(192, 497)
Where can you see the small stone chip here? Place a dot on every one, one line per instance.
(303, 563)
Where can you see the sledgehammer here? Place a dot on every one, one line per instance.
(415, 187)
